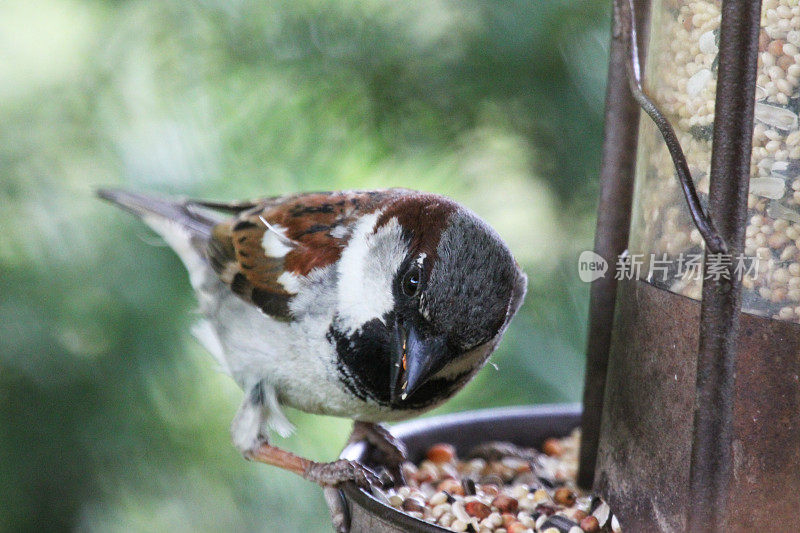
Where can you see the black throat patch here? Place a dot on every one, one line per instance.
(364, 365)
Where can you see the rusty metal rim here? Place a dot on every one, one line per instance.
(463, 430)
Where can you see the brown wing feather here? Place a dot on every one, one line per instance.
(306, 221)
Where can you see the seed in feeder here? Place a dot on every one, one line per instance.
(493, 510)
(490, 489)
(699, 81)
(781, 276)
(590, 524)
(772, 146)
(578, 515)
(763, 41)
(409, 470)
(518, 527)
(476, 465)
(763, 253)
(395, 500)
(440, 510)
(602, 513)
(777, 240)
(495, 519)
(527, 520)
(446, 519)
(441, 453)
(458, 525)
(540, 495)
(552, 447)
(562, 524)
(785, 61)
(451, 486)
(776, 47)
(459, 511)
(505, 504)
(778, 295)
(492, 479)
(548, 483)
(448, 470)
(509, 518)
(469, 486)
(772, 187)
(765, 292)
(516, 464)
(564, 496)
(540, 520)
(427, 472)
(545, 509)
(477, 509)
(707, 43)
(438, 498)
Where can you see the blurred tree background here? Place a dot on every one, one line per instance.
(111, 417)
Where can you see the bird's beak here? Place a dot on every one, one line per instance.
(416, 359)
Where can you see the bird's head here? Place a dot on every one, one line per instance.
(428, 289)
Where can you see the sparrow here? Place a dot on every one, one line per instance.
(371, 305)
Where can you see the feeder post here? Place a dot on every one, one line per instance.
(611, 236)
(711, 464)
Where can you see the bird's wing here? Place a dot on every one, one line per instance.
(266, 247)
(260, 248)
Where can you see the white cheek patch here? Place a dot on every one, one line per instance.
(274, 241)
(367, 269)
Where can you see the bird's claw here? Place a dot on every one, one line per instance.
(392, 451)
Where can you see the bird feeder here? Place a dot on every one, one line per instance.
(691, 413)
(692, 405)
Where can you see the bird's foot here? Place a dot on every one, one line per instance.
(324, 474)
(391, 450)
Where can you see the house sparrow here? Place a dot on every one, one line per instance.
(370, 305)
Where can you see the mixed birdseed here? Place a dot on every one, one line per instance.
(506, 490)
(681, 76)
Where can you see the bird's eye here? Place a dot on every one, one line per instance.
(410, 283)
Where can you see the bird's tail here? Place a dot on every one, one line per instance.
(179, 212)
(186, 226)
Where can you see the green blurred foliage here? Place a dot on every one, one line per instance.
(111, 417)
